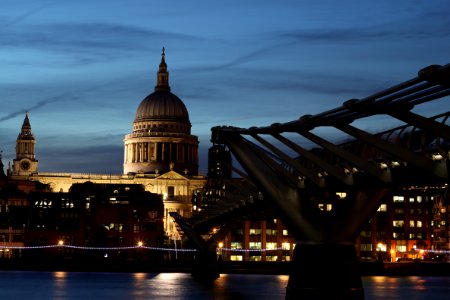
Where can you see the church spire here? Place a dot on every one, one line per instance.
(26, 127)
(163, 76)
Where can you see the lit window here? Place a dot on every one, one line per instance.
(255, 258)
(412, 236)
(411, 199)
(398, 223)
(271, 231)
(419, 223)
(286, 246)
(443, 222)
(236, 245)
(321, 206)
(341, 195)
(419, 199)
(285, 232)
(236, 257)
(271, 246)
(286, 258)
(398, 198)
(329, 207)
(383, 207)
(271, 258)
(443, 210)
(255, 245)
(400, 248)
(411, 223)
(255, 231)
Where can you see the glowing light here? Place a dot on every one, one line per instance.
(140, 244)
(60, 242)
(221, 245)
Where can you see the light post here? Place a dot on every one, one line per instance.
(220, 251)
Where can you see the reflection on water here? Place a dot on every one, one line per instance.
(409, 287)
(139, 286)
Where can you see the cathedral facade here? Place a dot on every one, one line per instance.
(160, 153)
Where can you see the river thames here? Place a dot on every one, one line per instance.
(137, 286)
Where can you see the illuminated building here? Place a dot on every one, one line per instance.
(160, 154)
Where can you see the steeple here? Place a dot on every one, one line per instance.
(163, 76)
(25, 162)
(26, 127)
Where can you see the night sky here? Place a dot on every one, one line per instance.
(81, 68)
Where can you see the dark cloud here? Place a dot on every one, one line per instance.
(96, 39)
(393, 31)
(38, 105)
(17, 19)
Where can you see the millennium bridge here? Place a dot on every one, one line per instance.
(281, 169)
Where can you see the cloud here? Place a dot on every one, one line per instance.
(38, 105)
(25, 15)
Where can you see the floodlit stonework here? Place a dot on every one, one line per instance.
(160, 153)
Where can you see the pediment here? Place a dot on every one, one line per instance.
(171, 175)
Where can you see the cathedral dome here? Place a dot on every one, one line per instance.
(162, 105)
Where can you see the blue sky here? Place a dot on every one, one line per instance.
(81, 68)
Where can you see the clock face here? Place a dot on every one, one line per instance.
(25, 165)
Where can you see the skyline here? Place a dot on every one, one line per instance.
(81, 69)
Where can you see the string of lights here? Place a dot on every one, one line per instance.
(251, 250)
(434, 251)
(127, 248)
(95, 248)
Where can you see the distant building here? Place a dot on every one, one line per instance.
(160, 154)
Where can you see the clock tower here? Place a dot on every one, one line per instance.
(25, 162)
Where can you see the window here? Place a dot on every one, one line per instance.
(366, 247)
(411, 199)
(419, 199)
(411, 236)
(255, 258)
(419, 223)
(383, 207)
(329, 207)
(271, 258)
(341, 195)
(170, 192)
(236, 257)
(255, 245)
(365, 233)
(236, 245)
(399, 211)
(411, 223)
(398, 223)
(254, 231)
(271, 231)
(285, 232)
(398, 198)
(401, 246)
(271, 246)
(286, 246)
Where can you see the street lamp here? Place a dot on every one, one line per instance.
(220, 251)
